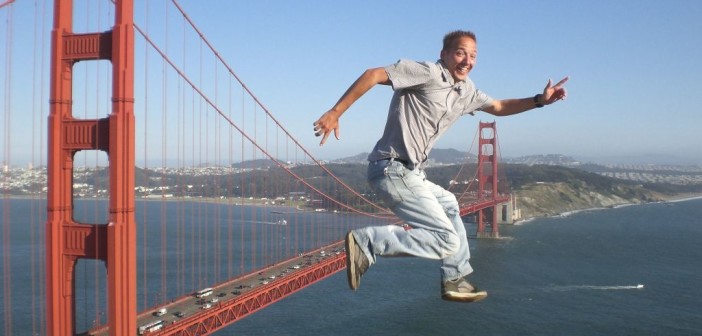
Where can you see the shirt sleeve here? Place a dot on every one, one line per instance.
(407, 73)
(482, 100)
(476, 101)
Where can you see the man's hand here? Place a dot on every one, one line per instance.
(554, 93)
(330, 120)
(325, 124)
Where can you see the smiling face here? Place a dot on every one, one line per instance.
(460, 57)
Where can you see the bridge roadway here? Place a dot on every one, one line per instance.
(475, 206)
(241, 296)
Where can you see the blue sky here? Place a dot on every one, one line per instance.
(634, 68)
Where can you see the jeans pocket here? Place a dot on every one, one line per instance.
(388, 186)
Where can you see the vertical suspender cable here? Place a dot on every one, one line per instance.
(144, 235)
(164, 153)
(42, 141)
(241, 193)
(216, 186)
(6, 234)
(230, 191)
(191, 188)
(180, 153)
(35, 115)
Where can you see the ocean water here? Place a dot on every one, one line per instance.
(626, 271)
(575, 275)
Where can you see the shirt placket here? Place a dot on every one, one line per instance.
(451, 98)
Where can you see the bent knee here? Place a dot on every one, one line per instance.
(451, 244)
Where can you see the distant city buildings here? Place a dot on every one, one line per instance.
(32, 181)
(546, 159)
(679, 176)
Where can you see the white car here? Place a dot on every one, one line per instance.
(206, 306)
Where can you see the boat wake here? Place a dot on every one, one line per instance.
(278, 222)
(589, 287)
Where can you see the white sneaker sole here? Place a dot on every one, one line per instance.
(350, 245)
(464, 297)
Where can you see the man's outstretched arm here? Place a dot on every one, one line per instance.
(330, 120)
(550, 95)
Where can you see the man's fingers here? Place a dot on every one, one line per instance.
(324, 139)
(326, 134)
(324, 126)
(559, 84)
(548, 85)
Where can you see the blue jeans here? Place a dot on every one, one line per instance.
(432, 213)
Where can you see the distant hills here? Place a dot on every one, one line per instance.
(436, 157)
(450, 156)
(668, 178)
(544, 184)
(646, 173)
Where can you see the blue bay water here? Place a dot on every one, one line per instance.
(575, 275)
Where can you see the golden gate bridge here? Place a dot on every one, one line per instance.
(255, 219)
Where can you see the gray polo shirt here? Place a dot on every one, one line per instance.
(426, 102)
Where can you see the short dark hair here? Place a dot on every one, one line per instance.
(455, 35)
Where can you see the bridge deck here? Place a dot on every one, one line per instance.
(239, 297)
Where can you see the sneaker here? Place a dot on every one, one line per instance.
(461, 290)
(356, 262)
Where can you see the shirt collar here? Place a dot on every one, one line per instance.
(446, 76)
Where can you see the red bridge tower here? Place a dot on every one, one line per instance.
(487, 175)
(67, 241)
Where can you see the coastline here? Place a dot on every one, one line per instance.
(552, 212)
(664, 199)
(683, 198)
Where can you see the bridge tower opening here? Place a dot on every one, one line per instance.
(487, 180)
(67, 240)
